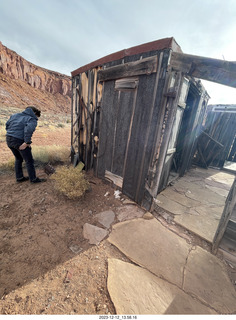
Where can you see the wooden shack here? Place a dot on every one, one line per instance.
(135, 118)
(216, 146)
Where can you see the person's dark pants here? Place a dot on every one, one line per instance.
(20, 155)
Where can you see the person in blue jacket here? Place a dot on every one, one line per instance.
(20, 128)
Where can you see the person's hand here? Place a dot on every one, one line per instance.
(23, 146)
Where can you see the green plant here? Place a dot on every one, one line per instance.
(70, 181)
(60, 125)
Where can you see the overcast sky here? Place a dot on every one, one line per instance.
(63, 35)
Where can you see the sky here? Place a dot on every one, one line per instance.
(63, 35)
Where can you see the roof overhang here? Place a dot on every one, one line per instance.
(166, 43)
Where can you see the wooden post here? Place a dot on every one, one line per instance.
(219, 71)
(228, 209)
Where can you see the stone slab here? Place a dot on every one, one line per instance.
(181, 199)
(135, 290)
(201, 224)
(94, 234)
(222, 177)
(129, 212)
(169, 205)
(206, 278)
(198, 193)
(149, 244)
(220, 191)
(106, 218)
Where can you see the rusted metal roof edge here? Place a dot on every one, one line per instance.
(166, 43)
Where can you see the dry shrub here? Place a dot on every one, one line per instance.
(9, 165)
(2, 134)
(52, 154)
(70, 181)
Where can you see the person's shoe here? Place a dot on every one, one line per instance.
(22, 179)
(38, 180)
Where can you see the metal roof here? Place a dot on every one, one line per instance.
(166, 43)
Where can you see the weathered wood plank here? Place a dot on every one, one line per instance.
(220, 71)
(107, 126)
(145, 66)
(117, 180)
(137, 143)
(213, 140)
(227, 213)
(123, 119)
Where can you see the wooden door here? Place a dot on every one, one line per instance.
(116, 122)
(171, 150)
(125, 138)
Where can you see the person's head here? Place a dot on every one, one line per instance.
(36, 111)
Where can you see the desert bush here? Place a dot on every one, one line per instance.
(53, 154)
(60, 125)
(2, 133)
(42, 155)
(70, 181)
(9, 165)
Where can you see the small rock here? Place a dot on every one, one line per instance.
(74, 248)
(127, 201)
(94, 234)
(106, 218)
(106, 194)
(129, 212)
(148, 216)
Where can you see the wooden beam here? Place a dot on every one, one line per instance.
(213, 140)
(129, 69)
(228, 210)
(117, 180)
(220, 71)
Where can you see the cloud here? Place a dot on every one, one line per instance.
(64, 35)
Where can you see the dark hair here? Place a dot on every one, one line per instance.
(36, 111)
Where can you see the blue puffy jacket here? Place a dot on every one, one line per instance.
(22, 125)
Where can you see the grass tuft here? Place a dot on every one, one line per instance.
(53, 154)
(42, 155)
(70, 181)
(8, 166)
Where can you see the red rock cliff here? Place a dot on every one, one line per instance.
(16, 67)
(52, 89)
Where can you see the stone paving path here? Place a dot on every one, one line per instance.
(169, 276)
(197, 200)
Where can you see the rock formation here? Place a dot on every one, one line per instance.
(51, 90)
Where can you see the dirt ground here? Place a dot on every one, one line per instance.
(46, 265)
